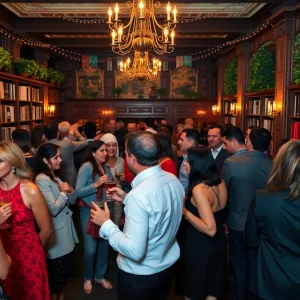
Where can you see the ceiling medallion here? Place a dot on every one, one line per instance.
(143, 32)
(141, 67)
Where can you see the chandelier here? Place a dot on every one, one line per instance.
(143, 31)
(141, 67)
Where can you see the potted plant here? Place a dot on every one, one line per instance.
(60, 78)
(42, 73)
(53, 76)
(161, 92)
(5, 59)
(24, 67)
(297, 60)
(117, 91)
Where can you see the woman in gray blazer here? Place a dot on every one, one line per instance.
(58, 195)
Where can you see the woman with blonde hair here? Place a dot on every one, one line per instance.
(273, 228)
(28, 278)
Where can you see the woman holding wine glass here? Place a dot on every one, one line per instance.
(116, 164)
(28, 278)
(92, 175)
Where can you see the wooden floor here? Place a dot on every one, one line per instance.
(74, 290)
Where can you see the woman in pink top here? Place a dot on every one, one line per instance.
(166, 156)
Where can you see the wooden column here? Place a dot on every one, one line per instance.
(284, 33)
(243, 53)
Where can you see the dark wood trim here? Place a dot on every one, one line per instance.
(270, 92)
(294, 88)
(230, 97)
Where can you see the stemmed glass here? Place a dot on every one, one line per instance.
(110, 183)
(3, 201)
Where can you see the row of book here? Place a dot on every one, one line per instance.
(7, 90)
(296, 105)
(295, 130)
(253, 106)
(28, 93)
(253, 122)
(231, 120)
(8, 113)
(36, 112)
(24, 113)
(6, 133)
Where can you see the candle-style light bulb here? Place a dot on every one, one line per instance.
(121, 66)
(116, 11)
(166, 32)
(120, 32)
(113, 36)
(128, 62)
(168, 11)
(172, 37)
(159, 65)
(175, 14)
(141, 6)
(110, 12)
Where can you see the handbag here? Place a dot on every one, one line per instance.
(92, 228)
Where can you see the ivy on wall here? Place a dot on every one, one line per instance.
(230, 78)
(297, 60)
(262, 70)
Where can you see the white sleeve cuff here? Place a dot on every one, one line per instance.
(105, 229)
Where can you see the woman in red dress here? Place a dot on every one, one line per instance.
(166, 155)
(27, 278)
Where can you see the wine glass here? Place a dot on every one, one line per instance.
(118, 171)
(110, 183)
(3, 201)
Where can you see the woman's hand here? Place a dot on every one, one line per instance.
(65, 187)
(100, 181)
(5, 212)
(123, 178)
(116, 193)
(184, 211)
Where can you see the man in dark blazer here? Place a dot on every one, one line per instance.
(215, 143)
(244, 175)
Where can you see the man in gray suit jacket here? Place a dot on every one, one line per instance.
(67, 147)
(244, 175)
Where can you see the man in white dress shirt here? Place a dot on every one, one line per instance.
(147, 246)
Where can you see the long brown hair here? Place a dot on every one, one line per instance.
(286, 170)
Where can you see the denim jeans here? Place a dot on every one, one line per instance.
(95, 250)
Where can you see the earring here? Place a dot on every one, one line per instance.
(13, 170)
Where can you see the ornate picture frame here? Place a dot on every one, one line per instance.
(90, 83)
(183, 80)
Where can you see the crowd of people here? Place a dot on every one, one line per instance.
(185, 204)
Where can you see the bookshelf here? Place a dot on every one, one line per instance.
(259, 109)
(229, 109)
(22, 103)
(294, 112)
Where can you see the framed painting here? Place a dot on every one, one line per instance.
(134, 88)
(89, 83)
(183, 82)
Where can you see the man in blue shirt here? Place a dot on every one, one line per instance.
(147, 246)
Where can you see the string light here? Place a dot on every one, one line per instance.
(77, 56)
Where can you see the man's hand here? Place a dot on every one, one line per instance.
(116, 193)
(99, 216)
(74, 128)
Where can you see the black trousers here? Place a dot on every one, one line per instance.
(144, 287)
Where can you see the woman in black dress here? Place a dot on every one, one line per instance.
(204, 244)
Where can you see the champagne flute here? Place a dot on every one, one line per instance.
(3, 201)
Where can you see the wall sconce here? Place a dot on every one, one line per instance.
(215, 110)
(50, 110)
(106, 113)
(201, 113)
(273, 109)
(233, 108)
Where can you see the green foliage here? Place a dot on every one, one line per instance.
(117, 91)
(230, 78)
(190, 94)
(5, 59)
(26, 66)
(55, 76)
(262, 71)
(161, 92)
(297, 60)
(42, 73)
(89, 95)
